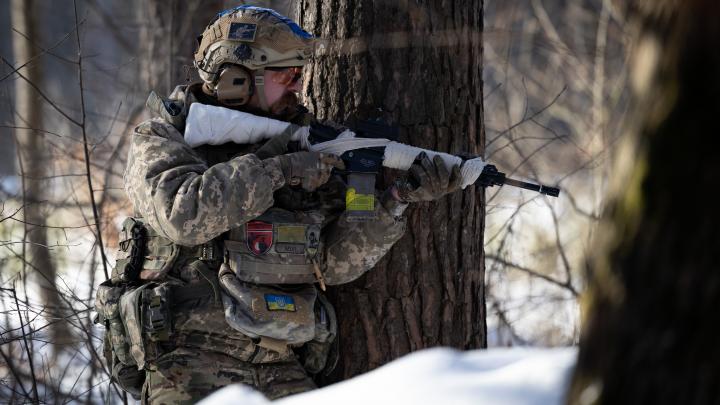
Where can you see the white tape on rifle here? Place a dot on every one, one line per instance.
(211, 125)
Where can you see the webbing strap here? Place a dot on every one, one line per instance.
(235, 246)
(275, 269)
(207, 252)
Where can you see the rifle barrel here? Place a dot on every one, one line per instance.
(547, 190)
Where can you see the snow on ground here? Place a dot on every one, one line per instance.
(441, 376)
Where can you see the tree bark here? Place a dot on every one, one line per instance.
(168, 38)
(655, 289)
(418, 65)
(34, 156)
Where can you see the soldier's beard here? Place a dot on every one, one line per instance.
(286, 107)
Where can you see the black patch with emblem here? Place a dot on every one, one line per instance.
(242, 31)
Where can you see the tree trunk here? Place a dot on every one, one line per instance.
(655, 290)
(34, 158)
(168, 37)
(418, 65)
(7, 143)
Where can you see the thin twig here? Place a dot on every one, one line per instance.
(27, 348)
(566, 285)
(86, 149)
(44, 51)
(11, 366)
(42, 94)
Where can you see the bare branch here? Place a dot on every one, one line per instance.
(86, 149)
(563, 284)
(27, 348)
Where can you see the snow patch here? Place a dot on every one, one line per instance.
(516, 376)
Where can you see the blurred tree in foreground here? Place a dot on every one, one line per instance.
(650, 335)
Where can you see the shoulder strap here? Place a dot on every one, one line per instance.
(169, 110)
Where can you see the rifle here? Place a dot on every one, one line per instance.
(363, 165)
(372, 145)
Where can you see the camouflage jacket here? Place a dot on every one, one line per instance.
(191, 198)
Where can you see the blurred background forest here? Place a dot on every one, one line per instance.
(74, 77)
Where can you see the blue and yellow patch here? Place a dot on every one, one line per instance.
(276, 302)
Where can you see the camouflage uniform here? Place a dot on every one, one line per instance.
(193, 197)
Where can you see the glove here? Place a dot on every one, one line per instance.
(275, 146)
(308, 169)
(427, 180)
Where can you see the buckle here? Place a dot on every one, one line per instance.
(208, 252)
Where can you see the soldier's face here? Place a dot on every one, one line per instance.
(282, 86)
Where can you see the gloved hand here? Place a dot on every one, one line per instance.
(274, 146)
(427, 180)
(308, 169)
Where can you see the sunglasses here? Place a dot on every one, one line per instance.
(286, 76)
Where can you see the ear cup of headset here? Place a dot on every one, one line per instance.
(234, 85)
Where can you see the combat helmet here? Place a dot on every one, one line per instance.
(240, 43)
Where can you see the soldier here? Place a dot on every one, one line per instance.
(216, 276)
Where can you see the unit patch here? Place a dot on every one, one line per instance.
(242, 31)
(290, 239)
(291, 233)
(243, 52)
(259, 236)
(277, 302)
(312, 236)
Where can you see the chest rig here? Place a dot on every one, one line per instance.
(284, 244)
(279, 247)
(271, 263)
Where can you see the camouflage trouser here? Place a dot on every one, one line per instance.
(185, 376)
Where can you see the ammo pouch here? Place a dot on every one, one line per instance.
(136, 321)
(145, 312)
(321, 353)
(116, 345)
(143, 254)
(286, 315)
(276, 248)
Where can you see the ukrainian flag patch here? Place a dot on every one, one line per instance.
(277, 302)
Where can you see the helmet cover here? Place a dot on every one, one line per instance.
(252, 37)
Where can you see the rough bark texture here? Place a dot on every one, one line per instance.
(416, 64)
(651, 336)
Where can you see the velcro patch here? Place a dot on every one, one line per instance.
(259, 236)
(277, 302)
(359, 202)
(291, 234)
(242, 31)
